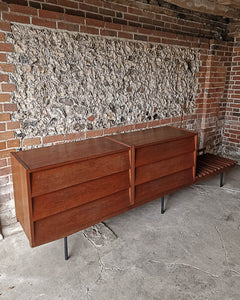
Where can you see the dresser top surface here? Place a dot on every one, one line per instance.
(152, 136)
(65, 153)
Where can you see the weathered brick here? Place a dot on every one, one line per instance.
(74, 19)
(53, 139)
(126, 128)
(111, 130)
(74, 136)
(50, 14)
(43, 22)
(5, 171)
(69, 27)
(2, 145)
(3, 78)
(5, 117)
(23, 9)
(10, 107)
(31, 141)
(8, 87)
(3, 57)
(13, 125)
(16, 18)
(90, 30)
(9, 68)
(13, 144)
(6, 47)
(68, 3)
(5, 26)
(94, 133)
(4, 97)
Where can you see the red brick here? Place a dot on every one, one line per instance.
(95, 23)
(129, 28)
(2, 37)
(4, 117)
(7, 68)
(2, 127)
(45, 23)
(94, 133)
(89, 30)
(155, 39)
(2, 145)
(6, 153)
(135, 11)
(119, 7)
(108, 12)
(31, 141)
(10, 107)
(95, 2)
(154, 123)
(13, 144)
(126, 128)
(8, 87)
(105, 32)
(3, 163)
(8, 135)
(3, 6)
(113, 26)
(67, 3)
(3, 57)
(141, 125)
(53, 138)
(13, 125)
(4, 97)
(69, 27)
(50, 14)
(16, 18)
(74, 136)
(111, 130)
(86, 7)
(3, 78)
(6, 47)
(23, 9)
(74, 19)
(124, 35)
(5, 171)
(5, 26)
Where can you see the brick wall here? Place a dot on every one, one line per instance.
(231, 140)
(123, 20)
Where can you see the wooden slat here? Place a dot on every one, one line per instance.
(54, 179)
(56, 202)
(153, 153)
(163, 168)
(162, 185)
(78, 218)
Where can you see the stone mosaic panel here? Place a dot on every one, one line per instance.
(69, 82)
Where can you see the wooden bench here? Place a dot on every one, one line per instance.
(209, 165)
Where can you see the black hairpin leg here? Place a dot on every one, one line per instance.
(162, 205)
(221, 179)
(65, 248)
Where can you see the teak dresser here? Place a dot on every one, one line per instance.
(65, 188)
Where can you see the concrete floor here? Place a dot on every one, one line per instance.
(190, 252)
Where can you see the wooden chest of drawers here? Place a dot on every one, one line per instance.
(164, 160)
(62, 189)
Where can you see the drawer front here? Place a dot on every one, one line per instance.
(54, 179)
(73, 220)
(162, 186)
(150, 154)
(59, 201)
(164, 167)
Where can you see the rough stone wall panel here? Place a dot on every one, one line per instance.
(68, 82)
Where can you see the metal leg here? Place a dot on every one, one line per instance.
(162, 205)
(65, 248)
(221, 179)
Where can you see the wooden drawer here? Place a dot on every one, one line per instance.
(73, 220)
(150, 154)
(59, 201)
(162, 186)
(54, 179)
(164, 167)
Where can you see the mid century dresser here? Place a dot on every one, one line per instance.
(65, 188)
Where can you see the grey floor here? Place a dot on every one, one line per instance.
(190, 252)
